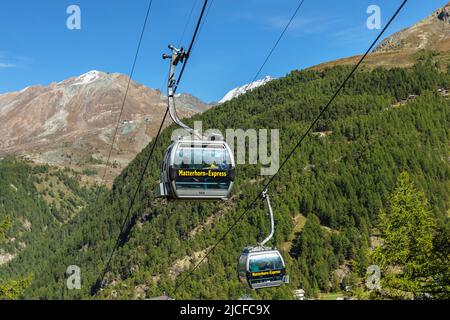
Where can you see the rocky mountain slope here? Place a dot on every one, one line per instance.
(432, 33)
(401, 49)
(71, 123)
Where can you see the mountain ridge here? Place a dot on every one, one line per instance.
(431, 33)
(71, 122)
(402, 48)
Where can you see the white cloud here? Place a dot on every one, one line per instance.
(352, 35)
(9, 61)
(301, 25)
(7, 65)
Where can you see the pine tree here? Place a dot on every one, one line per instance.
(408, 231)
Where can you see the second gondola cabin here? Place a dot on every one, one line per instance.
(197, 169)
(261, 267)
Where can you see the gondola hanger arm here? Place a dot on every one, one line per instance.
(177, 56)
(265, 196)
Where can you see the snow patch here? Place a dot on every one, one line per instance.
(24, 89)
(87, 78)
(243, 89)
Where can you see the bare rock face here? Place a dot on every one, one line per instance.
(444, 13)
(432, 33)
(72, 123)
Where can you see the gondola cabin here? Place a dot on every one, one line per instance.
(197, 169)
(261, 267)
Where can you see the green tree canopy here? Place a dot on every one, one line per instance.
(408, 230)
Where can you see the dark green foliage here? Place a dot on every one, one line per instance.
(438, 284)
(33, 212)
(315, 256)
(32, 217)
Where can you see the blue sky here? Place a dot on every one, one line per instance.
(37, 48)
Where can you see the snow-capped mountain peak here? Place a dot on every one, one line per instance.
(246, 87)
(87, 78)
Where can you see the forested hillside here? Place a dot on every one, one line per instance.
(327, 199)
(36, 199)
